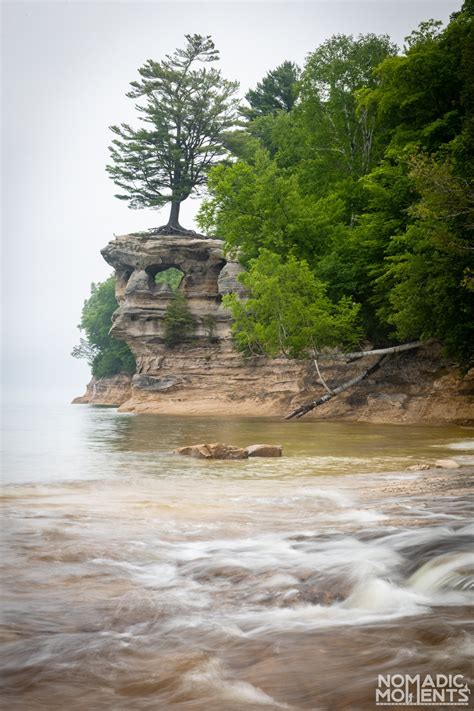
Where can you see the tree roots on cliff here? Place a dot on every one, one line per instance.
(175, 230)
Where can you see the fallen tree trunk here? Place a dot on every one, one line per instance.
(303, 409)
(378, 351)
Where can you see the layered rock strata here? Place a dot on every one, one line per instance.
(114, 390)
(204, 375)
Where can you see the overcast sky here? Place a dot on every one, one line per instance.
(66, 67)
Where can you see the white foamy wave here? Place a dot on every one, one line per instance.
(466, 459)
(378, 595)
(356, 516)
(333, 495)
(446, 572)
(210, 676)
(467, 445)
(458, 650)
(365, 608)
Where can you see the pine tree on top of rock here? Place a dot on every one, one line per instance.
(184, 106)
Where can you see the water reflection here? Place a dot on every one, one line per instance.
(52, 444)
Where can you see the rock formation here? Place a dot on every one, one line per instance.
(113, 390)
(205, 375)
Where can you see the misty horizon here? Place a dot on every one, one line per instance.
(66, 69)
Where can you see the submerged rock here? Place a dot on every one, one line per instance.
(418, 467)
(447, 464)
(265, 450)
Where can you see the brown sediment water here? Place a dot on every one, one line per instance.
(137, 579)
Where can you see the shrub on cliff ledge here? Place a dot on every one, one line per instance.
(106, 355)
(178, 320)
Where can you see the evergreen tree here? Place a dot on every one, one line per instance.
(184, 110)
(276, 92)
(178, 320)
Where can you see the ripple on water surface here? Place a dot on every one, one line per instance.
(138, 580)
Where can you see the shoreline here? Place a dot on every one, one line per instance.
(411, 389)
(195, 409)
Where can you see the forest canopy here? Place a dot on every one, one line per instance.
(367, 177)
(345, 187)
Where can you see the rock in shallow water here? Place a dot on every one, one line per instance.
(447, 464)
(265, 450)
(218, 450)
(213, 451)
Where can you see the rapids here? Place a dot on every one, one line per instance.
(135, 579)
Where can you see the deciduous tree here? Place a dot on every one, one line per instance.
(106, 355)
(288, 312)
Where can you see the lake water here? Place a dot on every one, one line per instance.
(138, 579)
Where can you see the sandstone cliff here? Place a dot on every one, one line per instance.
(114, 390)
(205, 375)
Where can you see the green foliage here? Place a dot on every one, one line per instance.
(341, 134)
(426, 31)
(368, 178)
(425, 97)
(288, 311)
(106, 355)
(209, 322)
(353, 265)
(184, 108)
(277, 91)
(241, 144)
(425, 101)
(178, 320)
(431, 263)
(171, 277)
(261, 205)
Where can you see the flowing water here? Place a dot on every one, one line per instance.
(138, 579)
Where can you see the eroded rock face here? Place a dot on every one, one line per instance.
(206, 376)
(207, 277)
(114, 390)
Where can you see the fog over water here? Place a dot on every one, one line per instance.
(65, 70)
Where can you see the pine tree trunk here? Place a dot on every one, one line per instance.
(173, 227)
(173, 221)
